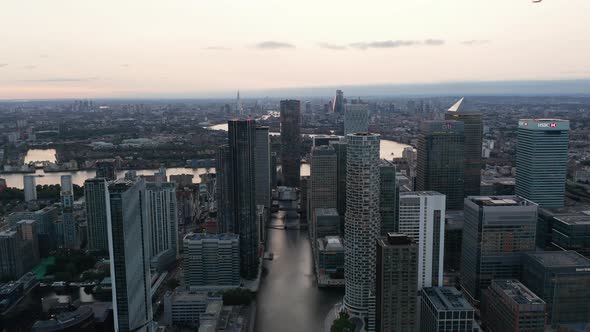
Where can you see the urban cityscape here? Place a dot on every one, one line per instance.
(405, 207)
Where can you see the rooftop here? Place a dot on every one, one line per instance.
(396, 239)
(500, 201)
(557, 259)
(517, 292)
(446, 298)
(330, 243)
(326, 212)
(420, 193)
(204, 236)
(582, 218)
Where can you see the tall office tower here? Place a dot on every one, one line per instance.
(70, 235)
(27, 231)
(290, 142)
(211, 260)
(304, 199)
(225, 216)
(162, 214)
(11, 260)
(96, 195)
(445, 309)
(396, 283)
(422, 217)
(325, 139)
(362, 220)
(496, 232)
(340, 148)
(262, 174)
(30, 188)
(356, 118)
(239, 105)
(242, 190)
(106, 169)
(338, 104)
(507, 305)
(562, 280)
(541, 161)
(323, 183)
(388, 197)
(440, 160)
(473, 125)
(273, 170)
(129, 251)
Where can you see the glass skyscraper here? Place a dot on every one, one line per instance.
(541, 161)
(290, 141)
(440, 161)
(388, 197)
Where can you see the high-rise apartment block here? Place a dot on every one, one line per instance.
(541, 161)
(262, 174)
(162, 214)
(362, 220)
(96, 195)
(290, 141)
(30, 188)
(211, 260)
(497, 231)
(422, 217)
(441, 160)
(396, 283)
(323, 183)
(388, 197)
(507, 305)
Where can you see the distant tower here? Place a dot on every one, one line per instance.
(541, 161)
(96, 195)
(290, 141)
(262, 174)
(239, 106)
(338, 104)
(67, 205)
(362, 220)
(30, 188)
(323, 183)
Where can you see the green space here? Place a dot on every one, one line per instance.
(41, 269)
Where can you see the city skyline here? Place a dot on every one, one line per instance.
(149, 46)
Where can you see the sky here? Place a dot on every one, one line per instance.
(143, 48)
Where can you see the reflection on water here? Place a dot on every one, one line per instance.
(34, 155)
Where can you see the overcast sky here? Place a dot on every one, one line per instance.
(113, 48)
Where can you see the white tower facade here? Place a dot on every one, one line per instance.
(422, 217)
(362, 220)
(30, 187)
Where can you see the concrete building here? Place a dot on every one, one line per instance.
(562, 280)
(396, 283)
(96, 195)
(322, 182)
(330, 259)
(11, 260)
(356, 118)
(290, 141)
(185, 308)
(388, 197)
(441, 160)
(29, 238)
(262, 161)
(445, 309)
(320, 140)
(472, 122)
(362, 220)
(211, 260)
(162, 214)
(541, 161)
(496, 232)
(421, 216)
(572, 232)
(129, 253)
(507, 305)
(30, 187)
(327, 222)
(70, 230)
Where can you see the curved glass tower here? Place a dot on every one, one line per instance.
(362, 220)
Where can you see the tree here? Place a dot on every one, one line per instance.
(342, 324)
(172, 283)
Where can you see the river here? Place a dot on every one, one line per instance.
(288, 299)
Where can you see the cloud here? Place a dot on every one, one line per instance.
(62, 79)
(3, 65)
(29, 67)
(217, 48)
(329, 46)
(125, 65)
(396, 43)
(273, 45)
(475, 42)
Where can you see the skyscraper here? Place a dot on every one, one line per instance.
(128, 236)
(290, 141)
(162, 217)
(340, 148)
(441, 162)
(225, 216)
(497, 231)
(211, 260)
(262, 174)
(356, 118)
(338, 104)
(11, 260)
(322, 182)
(362, 220)
(472, 121)
(238, 191)
(96, 195)
(445, 309)
(388, 197)
(422, 217)
(541, 161)
(70, 234)
(30, 188)
(396, 283)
